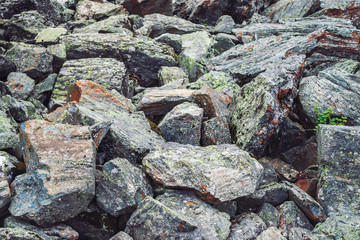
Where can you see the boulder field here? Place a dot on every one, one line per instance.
(180, 119)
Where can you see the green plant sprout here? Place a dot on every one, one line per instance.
(327, 117)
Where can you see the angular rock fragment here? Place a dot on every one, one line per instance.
(177, 215)
(121, 236)
(183, 124)
(290, 217)
(172, 74)
(284, 170)
(87, 9)
(54, 11)
(145, 8)
(19, 234)
(121, 187)
(20, 85)
(269, 172)
(246, 226)
(107, 72)
(20, 110)
(8, 136)
(298, 233)
(50, 35)
(33, 60)
(11, 7)
(173, 40)
(270, 234)
(60, 178)
(6, 67)
(160, 102)
(269, 214)
(218, 173)
(224, 24)
(339, 166)
(136, 53)
(215, 132)
(114, 24)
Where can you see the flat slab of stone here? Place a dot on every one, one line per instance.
(218, 173)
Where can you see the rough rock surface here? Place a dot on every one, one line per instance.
(8, 136)
(246, 226)
(217, 173)
(179, 215)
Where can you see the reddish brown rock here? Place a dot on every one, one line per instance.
(308, 186)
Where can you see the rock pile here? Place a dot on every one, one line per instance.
(125, 119)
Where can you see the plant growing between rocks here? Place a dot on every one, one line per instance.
(328, 117)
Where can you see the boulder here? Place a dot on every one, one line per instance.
(20, 85)
(183, 124)
(269, 214)
(60, 178)
(175, 215)
(53, 10)
(33, 60)
(6, 67)
(19, 234)
(25, 26)
(207, 170)
(86, 9)
(172, 74)
(338, 169)
(114, 24)
(246, 226)
(108, 72)
(299, 233)
(173, 40)
(8, 135)
(136, 53)
(215, 132)
(50, 35)
(270, 234)
(121, 187)
(224, 24)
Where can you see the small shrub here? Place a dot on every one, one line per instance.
(327, 117)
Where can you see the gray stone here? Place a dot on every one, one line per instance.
(299, 234)
(60, 178)
(121, 236)
(20, 85)
(270, 234)
(246, 226)
(223, 43)
(11, 7)
(215, 132)
(58, 51)
(121, 187)
(8, 136)
(173, 40)
(291, 216)
(87, 9)
(339, 166)
(172, 74)
(50, 35)
(196, 48)
(269, 214)
(20, 110)
(44, 88)
(58, 231)
(136, 53)
(25, 26)
(183, 124)
(285, 171)
(33, 60)
(6, 67)
(53, 10)
(177, 215)
(224, 24)
(19, 234)
(108, 72)
(269, 172)
(207, 170)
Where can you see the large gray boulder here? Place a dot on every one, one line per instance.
(136, 53)
(121, 187)
(217, 173)
(60, 178)
(338, 169)
(177, 215)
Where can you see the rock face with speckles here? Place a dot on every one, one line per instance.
(217, 173)
(177, 214)
(246, 226)
(339, 165)
(8, 136)
(121, 187)
(60, 178)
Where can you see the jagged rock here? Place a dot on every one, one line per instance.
(273, 193)
(12, 7)
(308, 185)
(177, 214)
(58, 51)
(136, 53)
(50, 35)
(242, 10)
(220, 81)
(269, 172)
(44, 88)
(284, 9)
(99, 131)
(183, 124)
(311, 208)
(114, 24)
(246, 226)
(318, 62)
(33, 60)
(223, 43)
(53, 10)
(121, 187)
(107, 72)
(87, 9)
(144, 8)
(130, 135)
(8, 136)
(196, 48)
(302, 157)
(291, 135)
(19, 234)
(94, 224)
(207, 170)
(173, 40)
(269, 214)
(161, 101)
(6, 67)
(20, 110)
(9, 165)
(284, 170)
(338, 227)
(20, 85)
(215, 132)
(270, 234)
(55, 232)
(338, 169)
(299, 234)
(348, 9)
(5, 196)
(172, 74)
(25, 26)
(224, 24)
(155, 25)
(121, 236)
(60, 178)
(290, 217)
(229, 207)
(335, 88)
